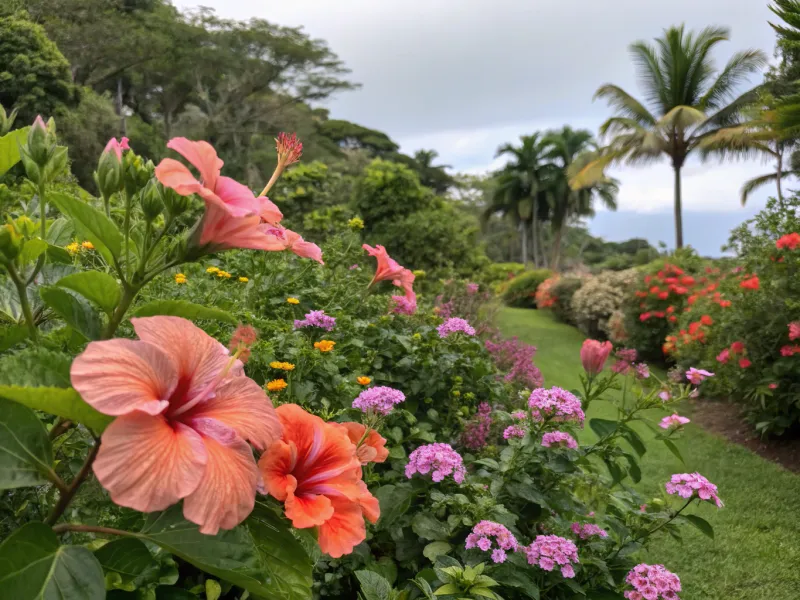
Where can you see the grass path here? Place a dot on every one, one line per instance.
(756, 552)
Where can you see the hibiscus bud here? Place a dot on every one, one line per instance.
(57, 163)
(136, 173)
(108, 176)
(594, 355)
(10, 242)
(39, 142)
(152, 203)
(175, 203)
(25, 226)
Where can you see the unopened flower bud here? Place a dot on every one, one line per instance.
(10, 242)
(152, 204)
(175, 203)
(56, 164)
(108, 176)
(39, 142)
(136, 173)
(25, 226)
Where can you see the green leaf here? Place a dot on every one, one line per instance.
(395, 501)
(64, 402)
(603, 427)
(674, 449)
(12, 335)
(78, 314)
(482, 592)
(230, 555)
(213, 589)
(182, 308)
(429, 527)
(520, 579)
(435, 549)
(373, 586)
(447, 588)
(634, 440)
(60, 232)
(285, 560)
(127, 563)
(57, 254)
(633, 468)
(703, 525)
(96, 286)
(91, 224)
(33, 566)
(9, 148)
(32, 249)
(25, 451)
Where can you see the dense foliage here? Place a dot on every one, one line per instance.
(521, 290)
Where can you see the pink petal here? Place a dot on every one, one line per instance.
(176, 175)
(269, 211)
(120, 376)
(202, 155)
(146, 464)
(226, 494)
(199, 358)
(241, 404)
(238, 199)
(223, 231)
(303, 248)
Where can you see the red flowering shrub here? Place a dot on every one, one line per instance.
(545, 298)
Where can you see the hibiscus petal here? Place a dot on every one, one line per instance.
(174, 174)
(302, 248)
(146, 464)
(226, 494)
(369, 504)
(340, 534)
(202, 156)
(237, 198)
(224, 231)
(270, 212)
(276, 465)
(120, 376)
(240, 403)
(308, 510)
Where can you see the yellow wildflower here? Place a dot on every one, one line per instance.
(276, 385)
(87, 245)
(283, 366)
(355, 223)
(419, 273)
(293, 301)
(243, 279)
(324, 345)
(180, 278)
(73, 248)
(223, 274)
(212, 270)
(363, 380)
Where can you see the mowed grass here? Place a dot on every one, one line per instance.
(756, 551)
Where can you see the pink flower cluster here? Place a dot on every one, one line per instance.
(380, 399)
(481, 538)
(516, 359)
(587, 530)
(439, 459)
(642, 371)
(477, 430)
(472, 288)
(514, 431)
(555, 403)
(674, 420)
(688, 485)
(316, 318)
(652, 582)
(547, 551)
(455, 325)
(697, 376)
(558, 438)
(519, 415)
(625, 358)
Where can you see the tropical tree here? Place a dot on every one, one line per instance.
(432, 176)
(688, 99)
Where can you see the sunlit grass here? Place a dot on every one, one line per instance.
(756, 552)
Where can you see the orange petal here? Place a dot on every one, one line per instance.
(308, 510)
(147, 464)
(302, 248)
(226, 494)
(120, 376)
(202, 156)
(340, 534)
(240, 403)
(373, 449)
(369, 504)
(175, 175)
(276, 465)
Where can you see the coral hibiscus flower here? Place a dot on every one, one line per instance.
(184, 409)
(387, 269)
(314, 470)
(373, 447)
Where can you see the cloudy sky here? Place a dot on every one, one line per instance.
(464, 76)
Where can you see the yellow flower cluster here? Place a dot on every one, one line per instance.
(74, 247)
(283, 366)
(356, 223)
(363, 380)
(324, 345)
(223, 275)
(87, 245)
(180, 278)
(212, 270)
(276, 385)
(244, 279)
(293, 301)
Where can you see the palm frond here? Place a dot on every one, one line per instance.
(753, 184)
(681, 118)
(736, 71)
(731, 114)
(625, 105)
(651, 78)
(742, 141)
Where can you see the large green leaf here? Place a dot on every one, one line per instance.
(701, 524)
(33, 566)
(91, 224)
(287, 563)
(425, 525)
(373, 586)
(127, 563)
(182, 308)
(394, 500)
(11, 335)
(78, 314)
(603, 427)
(674, 449)
(230, 555)
(101, 288)
(25, 451)
(60, 232)
(9, 148)
(64, 402)
(32, 249)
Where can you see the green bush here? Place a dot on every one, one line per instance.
(598, 298)
(563, 291)
(521, 290)
(495, 275)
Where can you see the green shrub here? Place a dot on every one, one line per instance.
(598, 298)
(521, 290)
(563, 291)
(494, 275)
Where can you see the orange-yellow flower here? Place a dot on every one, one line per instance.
(324, 345)
(73, 248)
(363, 380)
(243, 279)
(283, 366)
(180, 278)
(276, 385)
(87, 245)
(293, 301)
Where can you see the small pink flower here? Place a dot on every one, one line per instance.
(481, 538)
(559, 438)
(773, 386)
(652, 582)
(117, 147)
(594, 355)
(794, 330)
(697, 376)
(673, 421)
(438, 459)
(723, 356)
(513, 431)
(664, 395)
(688, 485)
(290, 149)
(548, 550)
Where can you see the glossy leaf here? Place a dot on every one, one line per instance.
(64, 402)
(25, 451)
(674, 449)
(77, 313)
(373, 586)
(394, 500)
(9, 148)
(429, 527)
(96, 286)
(436, 549)
(182, 308)
(32, 249)
(12, 335)
(634, 440)
(91, 224)
(603, 427)
(701, 524)
(127, 563)
(33, 566)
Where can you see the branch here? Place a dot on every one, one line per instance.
(68, 494)
(65, 527)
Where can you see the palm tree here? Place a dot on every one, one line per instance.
(689, 100)
(569, 150)
(430, 175)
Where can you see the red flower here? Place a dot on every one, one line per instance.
(655, 290)
(723, 356)
(706, 320)
(663, 295)
(744, 363)
(693, 327)
(794, 330)
(673, 319)
(687, 280)
(670, 310)
(751, 283)
(659, 314)
(644, 316)
(725, 303)
(692, 299)
(787, 350)
(737, 347)
(773, 386)
(790, 241)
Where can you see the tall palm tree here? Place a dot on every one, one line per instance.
(430, 175)
(569, 150)
(689, 99)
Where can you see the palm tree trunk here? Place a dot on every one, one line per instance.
(534, 233)
(556, 256)
(524, 242)
(678, 212)
(780, 176)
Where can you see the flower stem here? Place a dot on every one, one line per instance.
(22, 292)
(128, 296)
(65, 527)
(67, 495)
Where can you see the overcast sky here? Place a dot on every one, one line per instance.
(464, 76)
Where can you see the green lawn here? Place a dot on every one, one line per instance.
(756, 552)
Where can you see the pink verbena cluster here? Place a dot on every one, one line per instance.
(516, 359)
(687, 485)
(519, 415)
(476, 432)
(404, 305)
(555, 403)
(439, 459)
(588, 530)
(642, 370)
(652, 582)
(625, 359)
(513, 431)
(671, 421)
(481, 538)
(558, 438)
(444, 309)
(455, 325)
(316, 318)
(380, 399)
(547, 551)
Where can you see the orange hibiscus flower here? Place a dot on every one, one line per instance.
(372, 449)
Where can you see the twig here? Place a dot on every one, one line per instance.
(67, 495)
(60, 427)
(65, 527)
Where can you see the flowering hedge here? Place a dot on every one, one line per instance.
(344, 440)
(598, 298)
